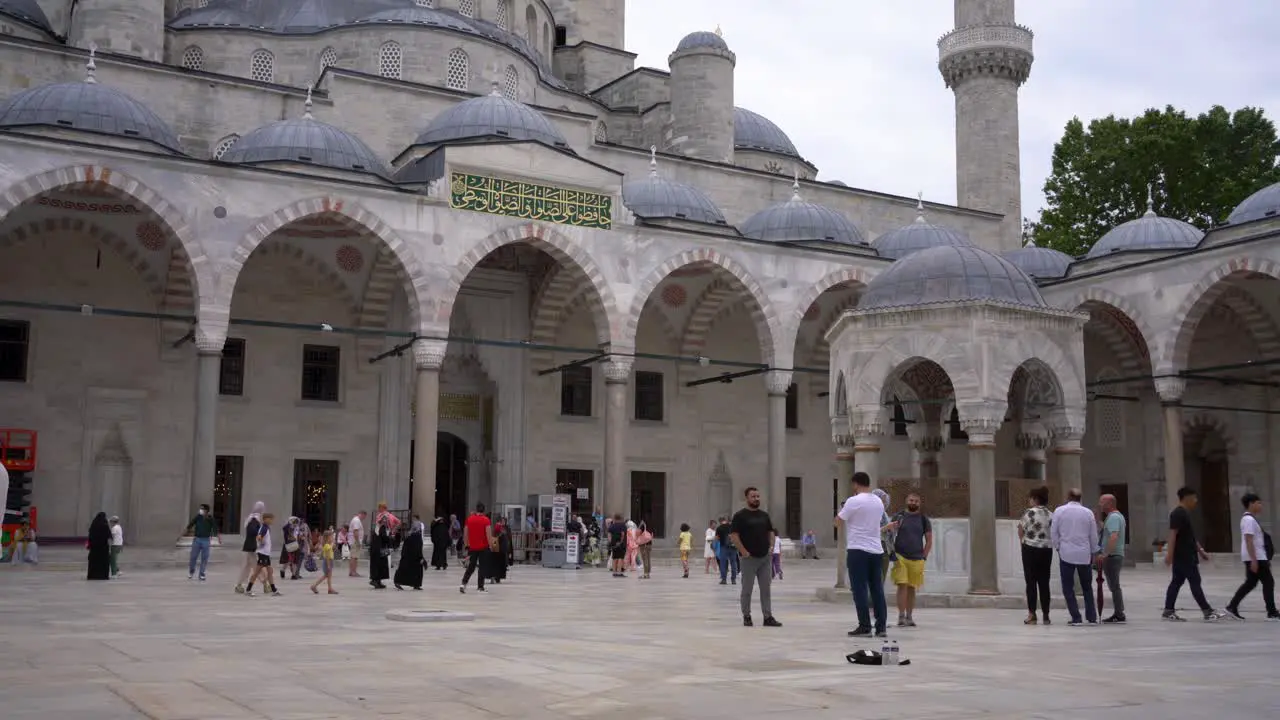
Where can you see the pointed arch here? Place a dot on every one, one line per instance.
(151, 273)
(1201, 423)
(820, 352)
(1122, 327)
(332, 285)
(1175, 346)
(563, 290)
(873, 369)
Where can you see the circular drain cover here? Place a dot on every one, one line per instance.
(429, 616)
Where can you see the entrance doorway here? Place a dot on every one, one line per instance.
(794, 513)
(649, 501)
(315, 492)
(1209, 474)
(577, 484)
(451, 475)
(1122, 504)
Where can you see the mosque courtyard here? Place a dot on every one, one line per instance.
(563, 644)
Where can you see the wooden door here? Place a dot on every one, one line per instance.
(1215, 505)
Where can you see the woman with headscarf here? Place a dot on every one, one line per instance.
(455, 534)
(252, 524)
(441, 544)
(289, 549)
(410, 570)
(379, 554)
(886, 536)
(99, 548)
(499, 561)
(629, 560)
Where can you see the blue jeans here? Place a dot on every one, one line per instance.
(199, 549)
(728, 558)
(1069, 574)
(865, 578)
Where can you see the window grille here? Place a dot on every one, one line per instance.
(262, 66)
(459, 70)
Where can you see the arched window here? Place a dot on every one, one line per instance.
(262, 66)
(193, 58)
(425, 3)
(503, 17)
(390, 60)
(459, 77)
(546, 39)
(511, 86)
(467, 8)
(328, 58)
(531, 25)
(224, 145)
(1108, 412)
(602, 133)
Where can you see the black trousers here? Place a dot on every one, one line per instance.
(1251, 580)
(1189, 573)
(480, 559)
(1037, 568)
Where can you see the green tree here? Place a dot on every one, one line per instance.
(1198, 169)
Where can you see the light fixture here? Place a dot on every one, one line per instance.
(326, 327)
(704, 361)
(86, 309)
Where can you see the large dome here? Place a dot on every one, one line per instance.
(306, 140)
(919, 235)
(26, 11)
(89, 107)
(416, 15)
(655, 197)
(800, 221)
(1262, 204)
(1040, 263)
(491, 116)
(753, 131)
(950, 273)
(1149, 232)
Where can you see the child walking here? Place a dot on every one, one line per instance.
(777, 557)
(326, 564)
(264, 558)
(686, 545)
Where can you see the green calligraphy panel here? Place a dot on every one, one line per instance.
(530, 201)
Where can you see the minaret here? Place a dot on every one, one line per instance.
(985, 60)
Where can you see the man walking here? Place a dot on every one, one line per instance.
(912, 544)
(1183, 554)
(1257, 561)
(204, 529)
(355, 538)
(478, 535)
(753, 535)
(864, 553)
(1111, 555)
(727, 556)
(117, 545)
(1074, 534)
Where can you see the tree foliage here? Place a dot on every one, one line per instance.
(1198, 169)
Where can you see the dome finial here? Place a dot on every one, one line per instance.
(306, 113)
(920, 207)
(1151, 201)
(653, 161)
(91, 67)
(719, 32)
(496, 92)
(795, 187)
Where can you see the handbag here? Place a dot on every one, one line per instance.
(291, 546)
(645, 538)
(310, 564)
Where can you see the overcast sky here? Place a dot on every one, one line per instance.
(855, 83)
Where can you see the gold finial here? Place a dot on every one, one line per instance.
(1151, 201)
(920, 207)
(91, 67)
(795, 187)
(719, 32)
(306, 114)
(653, 161)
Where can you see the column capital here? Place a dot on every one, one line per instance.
(841, 434)
(777, 381)
(981, 421)
(208, 343)
(1170, 389)
(929, 443)
(429, 354)
(617, 369)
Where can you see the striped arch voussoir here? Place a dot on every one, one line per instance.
(820, 354)
(1133, 346)
(715, 297)
(1176, 347)
(1203, 423)
(841, 277)
(153, 276)
(333, 284)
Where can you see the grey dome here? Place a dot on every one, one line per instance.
(1264, 203)
(306, 140)
(702, 39)
(26, 11)
(655, 197)
(753, 131)
(798, 221)
(491, 116)
(951, 273)
(840, 183)
(919, 235)
(291, 17)
(416, 15)
(1040, 263)
(90, 107)
(1149, 232)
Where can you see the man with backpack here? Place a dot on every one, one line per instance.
(1256, 550)
(913, 541)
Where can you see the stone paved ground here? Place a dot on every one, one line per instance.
(564, 644)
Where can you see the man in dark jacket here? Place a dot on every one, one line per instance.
(204, 528)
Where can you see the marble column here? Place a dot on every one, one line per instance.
(843, 440)
(617, 483)
(204, 446)
(777, 382)
(866, 449)
(428, 357)
(984, 576)
(1067, 452)
(1170, 390)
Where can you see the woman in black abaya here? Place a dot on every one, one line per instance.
(379, 554)
(440, 544)
(99, 548)
(409, 572)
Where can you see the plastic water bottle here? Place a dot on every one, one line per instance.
(893, 653)
(886, 654)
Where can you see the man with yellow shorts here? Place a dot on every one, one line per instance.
(912, 544)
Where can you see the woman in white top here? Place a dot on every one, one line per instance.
(709, 547)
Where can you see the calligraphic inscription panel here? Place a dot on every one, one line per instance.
(530, 201)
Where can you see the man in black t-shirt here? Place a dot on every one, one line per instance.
(1183, 554)
(617, 532)
(753, 535)
(726, 553)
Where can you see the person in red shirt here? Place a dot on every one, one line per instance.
(478, 534)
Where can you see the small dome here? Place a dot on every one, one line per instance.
(840, 183)
(26, 11)
(655, 197)
(90, 107)
(289, 17)
(753, 131)
(702, 39)
(1262, 204)
(1040, 263)
(919, 235)
(306, 140)
(1149, 232)
(799, 221)
(491, 116)
(951, 273)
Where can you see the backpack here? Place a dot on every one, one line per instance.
(1268, 545)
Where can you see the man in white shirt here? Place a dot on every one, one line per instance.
(355, 536)
(1074, 534)
(117, 544)
(864, 554)
(1257, 566)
